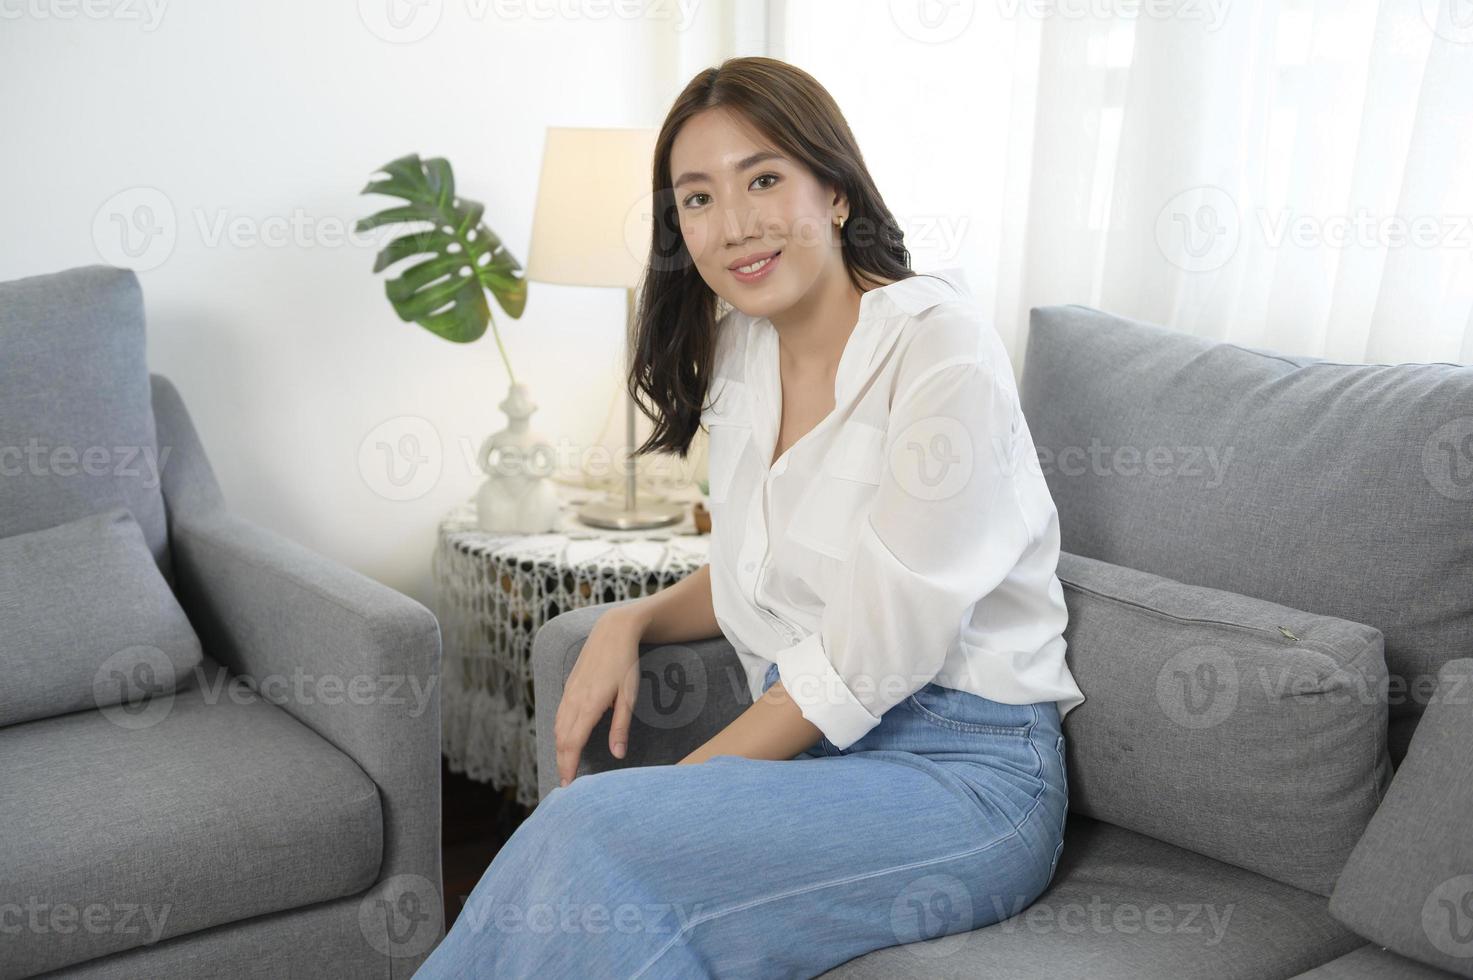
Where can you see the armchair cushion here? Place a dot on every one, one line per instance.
(87, 619)
(220, 807)
(76, 424)
(1210, 727)
(1409, 882)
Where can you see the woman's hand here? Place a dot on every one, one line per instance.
(607, 672)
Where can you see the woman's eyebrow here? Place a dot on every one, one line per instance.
(751, 161)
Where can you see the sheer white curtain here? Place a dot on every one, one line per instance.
(1288, 174)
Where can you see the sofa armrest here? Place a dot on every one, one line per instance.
(687, 693)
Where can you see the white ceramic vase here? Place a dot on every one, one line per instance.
(518, 495)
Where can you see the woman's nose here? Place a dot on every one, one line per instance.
(741, 224)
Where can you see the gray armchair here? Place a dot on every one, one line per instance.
(283, 818)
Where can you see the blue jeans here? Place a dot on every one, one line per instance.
(945, 817)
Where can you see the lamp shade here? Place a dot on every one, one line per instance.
(594, 207)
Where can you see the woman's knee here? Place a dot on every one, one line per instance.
(589, 822)
(586, 801)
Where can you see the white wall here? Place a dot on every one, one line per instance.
(256, 124)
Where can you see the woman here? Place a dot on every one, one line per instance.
(883, 560)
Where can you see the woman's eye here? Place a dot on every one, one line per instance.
(689, 201)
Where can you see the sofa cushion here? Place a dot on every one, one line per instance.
(1238, 728)
(1408, 884)
(1341, 489)
(1372, 962)
(76, 415)
(88, 620)
(224, 807)
(1123, 906)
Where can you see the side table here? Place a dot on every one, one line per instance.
(493, 591)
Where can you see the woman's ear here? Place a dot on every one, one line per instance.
(840, 202)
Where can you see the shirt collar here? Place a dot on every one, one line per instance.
(914, 295)
(882, 312)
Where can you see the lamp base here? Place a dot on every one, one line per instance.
(620, 517)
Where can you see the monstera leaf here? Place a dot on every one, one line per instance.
(444, 293)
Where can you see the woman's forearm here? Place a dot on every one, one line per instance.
(773, 727)
(678, 613)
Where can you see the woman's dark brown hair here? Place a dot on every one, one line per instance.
(673, 334)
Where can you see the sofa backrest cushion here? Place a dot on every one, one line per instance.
(76, 416)
(1340, 489)
(1234, 727)
(88, 621)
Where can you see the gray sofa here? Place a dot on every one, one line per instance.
(279, 816)
(1268, 562)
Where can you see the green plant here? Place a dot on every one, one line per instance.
(445, 293)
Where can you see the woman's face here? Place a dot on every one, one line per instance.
(738, 199)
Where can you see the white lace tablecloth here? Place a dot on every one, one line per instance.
(494, 591)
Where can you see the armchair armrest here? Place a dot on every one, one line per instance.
(687, 693)
(354, 660)
(351, 658)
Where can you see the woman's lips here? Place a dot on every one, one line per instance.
(760, 274)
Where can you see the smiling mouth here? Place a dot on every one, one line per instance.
(756, 270)
(749, 269)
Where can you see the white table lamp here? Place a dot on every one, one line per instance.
(592, 227)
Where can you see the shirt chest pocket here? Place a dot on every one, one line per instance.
(729, 427)
(826, 517)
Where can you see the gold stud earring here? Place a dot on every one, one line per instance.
(841, 222)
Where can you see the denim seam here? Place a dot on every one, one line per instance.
(1064, 816)
(1038, 774)
(1042, 785)
(1015, 832)
(829, 884)
(967, 726)
(1037, 797)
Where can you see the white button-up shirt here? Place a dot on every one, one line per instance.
(909, 537)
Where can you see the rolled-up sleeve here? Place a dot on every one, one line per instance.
(944, 528)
